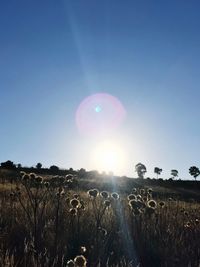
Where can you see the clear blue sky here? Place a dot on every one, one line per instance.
(54, 54)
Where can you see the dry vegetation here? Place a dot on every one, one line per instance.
(52, 221)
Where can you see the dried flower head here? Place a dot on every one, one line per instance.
(25, 177)
(74, 203)
(70, 263)
(38, 179)
(104, 194)
(133, 204)
(80, 261)
(149, 191)
(93, 193)
(145, 198)
(132, 197)
(152, 204)
(22, 173)
(187, 225)
(107, 203)
(134, 190)
(115, 195)
(161, 204)
(32, 176)
(139, 197)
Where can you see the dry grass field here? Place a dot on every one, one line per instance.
(72, 221)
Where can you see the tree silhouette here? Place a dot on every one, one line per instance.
(39, 165)
(157, 171)
(8, 165)
(174, 173)
(194, 171)
(141, 170)
(54, 169)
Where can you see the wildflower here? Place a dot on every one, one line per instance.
(144, 198)
(70, 263)
(187, 225)
(104, 194)
(38, 179)
(152, 204)
(80, 261)
(25, 177)
(196, 221)
(107, 203)
(139, 197)
(74, 202)
(134, 190)
(93, 193)
(115, 195)
(133, 204)
(161, 204)
(76, 196)
(22, 173)
(132, 197)
(32, 176)
(149, 191)
(73, 211)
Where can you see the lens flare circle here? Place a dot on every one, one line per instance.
(99, 113)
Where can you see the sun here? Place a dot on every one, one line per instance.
(108, 156)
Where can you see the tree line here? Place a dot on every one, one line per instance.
(141, 170)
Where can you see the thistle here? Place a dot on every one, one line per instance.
(80, 261)
(152, 204)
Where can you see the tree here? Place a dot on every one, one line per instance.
(8, 165)
(39, 166)
(157, 171)
(54, 169)
(141, 170)
(174, 173)
(194, 171)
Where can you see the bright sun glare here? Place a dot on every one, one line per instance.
(108, 156)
